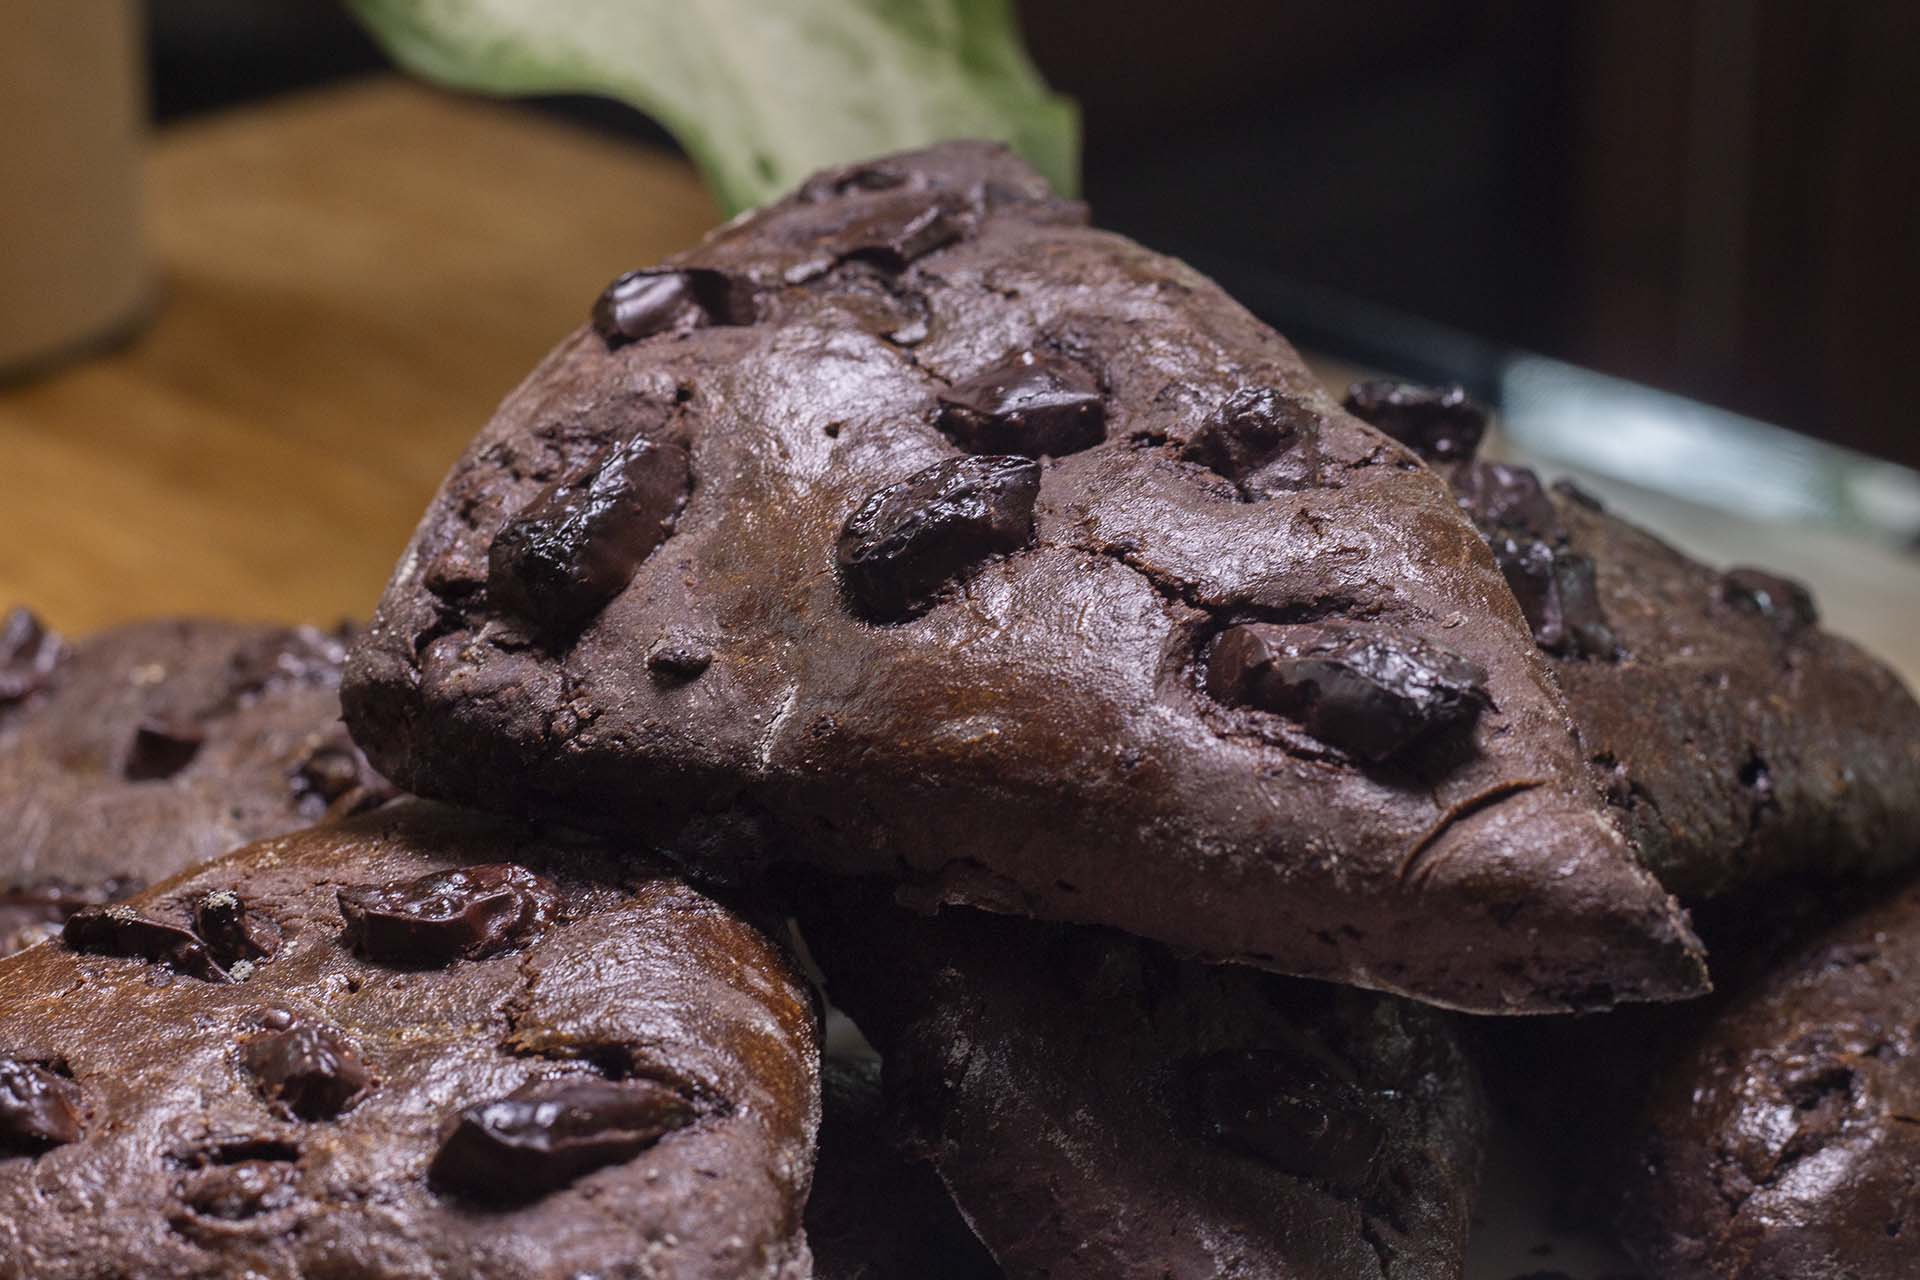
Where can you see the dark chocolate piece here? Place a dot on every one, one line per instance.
(908, 540)
(1032, 403)
(28, 655)
(641, 304)
(573, 548)
(468, 913)
(304, 1069)
(232, 931)
(1369, 692)
(38, 1108)
(549, 1133)
(121, 930)
(1441, 424)
(158, 751)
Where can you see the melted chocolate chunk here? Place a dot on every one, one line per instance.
(305, 1070)
(1781, 600)
(122, 931)
(641, 304)
(1032, 403)
(548, 1133)
(1554, 584)
(467, 913)
(1441, 424)
(1371, 694)
(232, 932)
(910, 539)
(159, 751)
(38, 1108)
(334, 779)
(28, 654)
(1497, 496)
(235, 1192)
(1271, 1106)
(576, 545)
(1246, 433)
(889, 227)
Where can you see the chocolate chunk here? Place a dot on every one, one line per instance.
(1245, 433)
(1269, 1105)
(232, 931)
(282, 659)
(1780, 599)
(576, 545)
(1032, 403)
(334, 779)
(641, 304)
(1559, 596)
(122, 931)
(1554, 584)
(235, 1192)
(467, 913)
(160, 750)
(547, 1133)
(1441, 424)
(896, 232)
(28, 654)
(305, 1070)
(38, 1108)
(1370, 693)
(1497, 496)
(676, 656)
(908, 540)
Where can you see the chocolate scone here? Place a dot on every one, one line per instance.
(875, 1214)
(1740, 742)
(417, 1044)
(135, 753)
(1782, 1141)
(1101, 1108)
(923, 531)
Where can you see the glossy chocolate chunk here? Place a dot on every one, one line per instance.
(28, 654)
(468, 913)
(1771, 596)
(276, 659)
(232, 930)
(547, 1133)
(576, 545)
(1032, 403)
(124, 931)
(1554, 583)
(1441, 424)
(333, 779)
(159, 750)
(1276, 1107)
(641, 304)
(1497, 496)
(38, 1108)
(1370, 693)
(304, 1069)
(1244, 434)
(910, 539)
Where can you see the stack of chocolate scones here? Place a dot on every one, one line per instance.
(916, 598)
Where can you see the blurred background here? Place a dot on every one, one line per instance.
(1670, 240)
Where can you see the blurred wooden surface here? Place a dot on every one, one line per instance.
(349, 282)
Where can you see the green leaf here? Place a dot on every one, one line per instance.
(759, 92)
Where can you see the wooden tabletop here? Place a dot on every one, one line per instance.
(348, 282)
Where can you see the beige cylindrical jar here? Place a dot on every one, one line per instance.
(72, 119)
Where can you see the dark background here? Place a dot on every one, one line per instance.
(1717, 197)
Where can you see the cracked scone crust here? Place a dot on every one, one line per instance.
(1101, 1110)
(210, 1144)
(755, 575)
(1783, 1141)
(133, 754)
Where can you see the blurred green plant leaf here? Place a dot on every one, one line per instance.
(759, 92)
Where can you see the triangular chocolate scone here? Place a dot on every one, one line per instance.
(927, 532)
